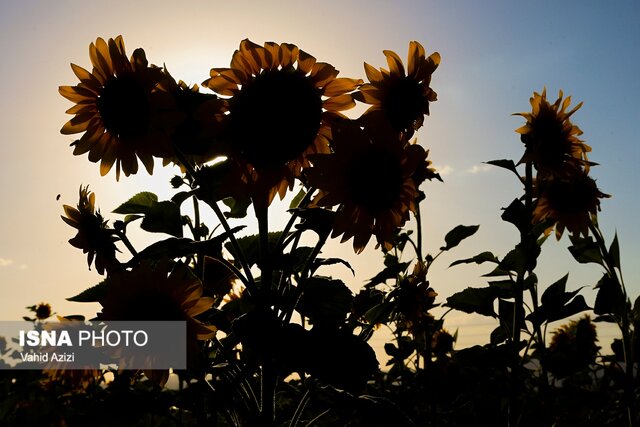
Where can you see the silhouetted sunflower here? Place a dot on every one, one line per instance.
(404, 97)
(93, 237)
(370, 175)
(551, 140)
(281, 106)
(43, 311)
(569, 202)
(120, 107)
(153, 293)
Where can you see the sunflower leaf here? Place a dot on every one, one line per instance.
(163, 217)
(585, 250)
(505, 164)
(457, 235)
(92, 294)
(141, 203)
(478, 259)
(614, 252)
(475, 300)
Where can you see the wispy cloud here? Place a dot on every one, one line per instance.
(5, 262)
(444, 170)
(479, 169)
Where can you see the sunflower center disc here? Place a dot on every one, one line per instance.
(375, 180)
(403, 102)
(124, 107)
(275, 118)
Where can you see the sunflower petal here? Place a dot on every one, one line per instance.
(339, 103)
(305, 61)
(372, 73)
(341, 85)
(395, 63)
(322, 73)
(416, 57)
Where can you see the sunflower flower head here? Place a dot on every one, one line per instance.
(369, 176)
(403, 96)
(281, 104)
(93, 236)
(569, 202)
(120, 107)
(550, 138)
(42, 311)
(152, 292)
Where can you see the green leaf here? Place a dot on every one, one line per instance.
(474, 300)
(515, 260)
(499, 335)
(250, 246)
(325, 301)
(380, 313)
(390, 272)
(332, 261)
(614, 252)
(141, 203)
(92, 294)
(505, 164)
(585, 250)
(297, 199)
(516, 214)
(478, 259)
(238, 208)
(457, 235)
(555, 291)
(180, 197)
(610, 298)
(163, 217)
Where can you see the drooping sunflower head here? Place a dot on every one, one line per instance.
(369, 176)
(93, 236)
(120, 108)
(281, 106)
(550, 138)
(569, 202)
(199, 123)
(403, 96)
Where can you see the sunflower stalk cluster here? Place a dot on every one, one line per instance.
(260, 307)
(273, 337)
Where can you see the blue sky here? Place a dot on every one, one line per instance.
(494, 55)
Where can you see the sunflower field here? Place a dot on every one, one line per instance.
(273, 339)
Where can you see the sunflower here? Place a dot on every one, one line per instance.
(414, 300)
(93, 237)
(569, 202)
(153, 293)
(78, 379)
(281, 104)
(199, 123)
(42, 311)
(551, 140)
(404, 97)
(120, 107)
(370, 176)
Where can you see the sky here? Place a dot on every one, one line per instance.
(495, 54)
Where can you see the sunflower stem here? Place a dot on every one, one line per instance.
(419, 227)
